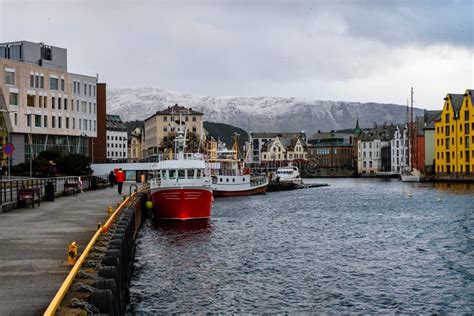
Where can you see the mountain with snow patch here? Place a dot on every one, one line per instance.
(259, 114)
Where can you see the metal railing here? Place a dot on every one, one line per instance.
(9, 189)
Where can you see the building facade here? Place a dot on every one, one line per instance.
(43, 105)
(283, 149)
(163, 125)
(334, 153)
(373, 150)
(454, 138)
(258, 140)
(135, 151)
(117, 139)
(399, 147)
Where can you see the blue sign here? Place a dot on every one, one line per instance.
(8, 149)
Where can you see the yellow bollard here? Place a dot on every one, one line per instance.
(72, 253)
(110, 210)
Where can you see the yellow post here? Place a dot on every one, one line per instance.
(110, 210)
(72, 253)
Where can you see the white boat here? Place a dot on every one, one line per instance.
(412, 176)
(288, 174)
(231, 178)
(182, 188)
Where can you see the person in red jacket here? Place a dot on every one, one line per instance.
(120, 178)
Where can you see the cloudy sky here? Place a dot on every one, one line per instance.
(326, 50)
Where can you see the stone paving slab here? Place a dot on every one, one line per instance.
(33, 247)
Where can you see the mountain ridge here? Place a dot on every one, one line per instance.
(258, 114)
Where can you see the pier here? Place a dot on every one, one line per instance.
(33, 246)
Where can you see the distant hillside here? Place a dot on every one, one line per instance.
(224, 133)
(258, 114)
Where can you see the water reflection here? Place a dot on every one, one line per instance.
(456, 188)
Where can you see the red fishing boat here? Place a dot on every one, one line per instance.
(181, 188)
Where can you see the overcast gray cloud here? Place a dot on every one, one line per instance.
(340, 50)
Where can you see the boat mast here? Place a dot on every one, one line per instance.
(412, 132)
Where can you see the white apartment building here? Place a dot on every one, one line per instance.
(373, 150)
(399, 148)
(43, 106)
(117, 138)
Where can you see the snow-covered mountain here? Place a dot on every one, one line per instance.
(258, 114)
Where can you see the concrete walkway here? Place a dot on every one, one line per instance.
(33, 247)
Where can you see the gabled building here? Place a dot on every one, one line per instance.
(283, 149)
(454, 138)
(429, 144)
(257, 140)
(399, 147)
(135, 140)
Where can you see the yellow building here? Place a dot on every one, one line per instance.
(454, 138)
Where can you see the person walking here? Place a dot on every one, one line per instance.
(120, 178)
(112, 178)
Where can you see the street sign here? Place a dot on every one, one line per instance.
(8, 149)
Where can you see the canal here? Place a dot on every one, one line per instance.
(358, 246)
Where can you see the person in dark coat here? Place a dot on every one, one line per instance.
(111, 179)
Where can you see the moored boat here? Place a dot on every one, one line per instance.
(182, 188)
(289, 173)
(231, 178)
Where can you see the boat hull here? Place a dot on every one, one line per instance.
(251, 191)
(410, 178)
(181, 203)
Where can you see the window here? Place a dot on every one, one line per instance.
(85, 124)
(466, 115)
(165, 118)
(45, 121)
(172, 174)
(45, 102)
(90, 107)
(181, 174)
(30, 100)
(62, 84)
(447, 117)
(198, 173)
(74, 124)
(59, 122)
(59, 103)
(194, 119)
(78, 87)
(53, 102)
(53, 83)
(67, 122)
(85, 88)
(90, 90)
(194, 128)
(94, 90)
(37, 81)
(28, 120)
(42, 82)
(84, 106)
(53, 122)
(13, 98)
(9, 77)
(16, 119)
(40, 101)
(65, 104)
(32, 81)
(77, 105)
(74, 86)
(37, 120)
(190, 174)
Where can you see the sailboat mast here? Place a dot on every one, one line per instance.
(412, 134)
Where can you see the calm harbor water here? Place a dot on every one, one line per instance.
(358, 246)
